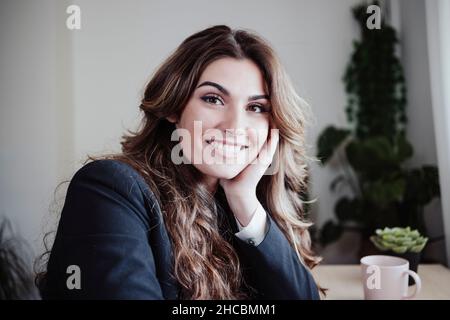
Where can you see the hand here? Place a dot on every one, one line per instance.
(241, 190)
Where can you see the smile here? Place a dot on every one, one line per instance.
(226, 147)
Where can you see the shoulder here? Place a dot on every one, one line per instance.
(114, 174)
(109, 169)
(108, 229)
(108, 191)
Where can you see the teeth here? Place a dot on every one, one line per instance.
(226, 148)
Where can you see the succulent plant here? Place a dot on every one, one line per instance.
(399, 240)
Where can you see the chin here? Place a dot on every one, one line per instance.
(221, 171)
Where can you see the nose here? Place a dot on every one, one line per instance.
(235, 123)
(235, 126)
(235, 132)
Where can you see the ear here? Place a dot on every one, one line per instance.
(172, 119)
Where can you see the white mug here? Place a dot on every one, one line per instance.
(386, 278)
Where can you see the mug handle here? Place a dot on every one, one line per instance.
(416, 278)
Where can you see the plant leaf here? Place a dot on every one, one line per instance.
(329, 141)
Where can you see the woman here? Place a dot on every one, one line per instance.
(191, 208)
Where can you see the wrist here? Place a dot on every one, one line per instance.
(243, 207)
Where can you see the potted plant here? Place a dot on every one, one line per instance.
(401, 242)
(373, 151)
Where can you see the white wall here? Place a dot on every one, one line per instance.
(420, 130)
(83, 87)
(30, 109)
(438, 37)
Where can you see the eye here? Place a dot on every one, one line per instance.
(211, 99)
(258, 108)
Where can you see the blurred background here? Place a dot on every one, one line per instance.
(66, 93)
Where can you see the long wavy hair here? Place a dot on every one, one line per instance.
(205, 264)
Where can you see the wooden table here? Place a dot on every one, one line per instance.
(344, 281)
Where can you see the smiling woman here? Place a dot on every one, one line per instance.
(226, 112)
(139, 225)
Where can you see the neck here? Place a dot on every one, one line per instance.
(211, 183)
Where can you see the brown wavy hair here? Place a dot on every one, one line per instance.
(206, 265)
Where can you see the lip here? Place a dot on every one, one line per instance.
(226, 142)
(223, 149)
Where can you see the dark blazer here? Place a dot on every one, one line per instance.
(111, 228)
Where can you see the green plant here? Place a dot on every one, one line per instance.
(399, 240)
(373, 150)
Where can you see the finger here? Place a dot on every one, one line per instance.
(267, 152)
(274, 139)
(258, 167)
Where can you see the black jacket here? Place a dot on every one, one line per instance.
(111, 228)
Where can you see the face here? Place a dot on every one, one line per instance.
(227, 118)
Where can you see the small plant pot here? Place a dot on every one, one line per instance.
(413, 259)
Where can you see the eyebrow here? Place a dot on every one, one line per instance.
(227, 93)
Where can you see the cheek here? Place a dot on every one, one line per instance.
(195, 112)
(197, 124)
(260, 136)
